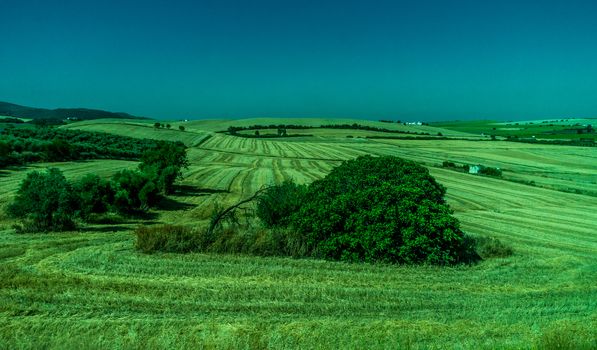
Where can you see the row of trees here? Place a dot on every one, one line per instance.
(159, 125)
(46, 201)
(233, 130)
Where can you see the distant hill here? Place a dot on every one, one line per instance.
(14, 110)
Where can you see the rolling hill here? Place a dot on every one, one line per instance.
(14, 110)
(90, 288)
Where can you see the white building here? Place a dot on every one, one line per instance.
(474, 169)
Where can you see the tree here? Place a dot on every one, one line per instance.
(181, 128)
(95, 194)
(4, 154)
(168, 126)
(58, 150)
(157, 125)
(45, 201)
(164, 164)
(256, 132)
(133, 191)
(384, 209)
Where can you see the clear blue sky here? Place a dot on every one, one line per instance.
(409, 60)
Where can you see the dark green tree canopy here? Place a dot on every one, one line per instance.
(384, 209)
(95, 194)
(46, 202)
(164, 164)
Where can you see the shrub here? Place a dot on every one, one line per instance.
(448, 164)
(380, 209)
(491, 171)
(490, 247)
(164, 163)
(254, 241)
(45, 201)
(166, 238)
(95, 195)
(108, 218)
(278, 203)
(58, 150)
(133, 191)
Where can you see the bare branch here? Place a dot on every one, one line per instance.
(217, 219)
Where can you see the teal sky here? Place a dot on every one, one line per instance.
(408, 60)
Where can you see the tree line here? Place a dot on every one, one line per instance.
(47, 201)
(21, 146)
(233, 130)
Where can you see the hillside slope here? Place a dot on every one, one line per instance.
(14, 110)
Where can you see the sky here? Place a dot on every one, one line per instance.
(406, 60)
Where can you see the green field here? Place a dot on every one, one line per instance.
(91, 289)
(548, 129)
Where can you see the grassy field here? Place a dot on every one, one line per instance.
(548, 129)
(141, 129)
(91, 289)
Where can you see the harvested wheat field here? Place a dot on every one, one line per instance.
(90, 288)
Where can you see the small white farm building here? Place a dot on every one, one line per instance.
(474, 169)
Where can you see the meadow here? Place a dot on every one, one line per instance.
(547, 129)
(91, 289)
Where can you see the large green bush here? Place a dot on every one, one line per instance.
(384, 209)
(276, 204)
(45, 201)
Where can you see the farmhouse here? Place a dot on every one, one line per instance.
(474, 169)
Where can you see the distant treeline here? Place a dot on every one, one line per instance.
(588, 142)
(370, 128)
(233, 130)
(270, 136)
(411, 137)
(21, 146)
